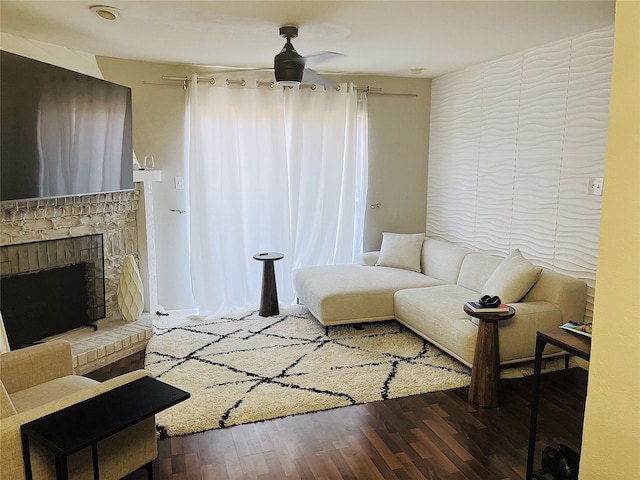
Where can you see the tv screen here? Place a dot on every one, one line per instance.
(62, 133)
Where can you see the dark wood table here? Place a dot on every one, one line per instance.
(86, 423)
(269, 294)
(573, 343)
(485, 373)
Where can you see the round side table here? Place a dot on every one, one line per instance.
(269, 295)
(485, 373)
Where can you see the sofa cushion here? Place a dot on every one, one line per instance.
(476, 269)
(512, 279)
(401, 250)
(50, 391)
(442, 259)
(337, 294)
(437, 314)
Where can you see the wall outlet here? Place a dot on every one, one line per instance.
(596, 184)
(179, 183)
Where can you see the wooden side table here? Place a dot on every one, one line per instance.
(573, 343)
(485, 373)
(269, 294)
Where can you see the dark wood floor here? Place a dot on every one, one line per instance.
(431, 436)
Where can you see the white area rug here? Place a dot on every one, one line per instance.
(247, 368)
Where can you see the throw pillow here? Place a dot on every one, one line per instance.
(401, 250)
(513, 278)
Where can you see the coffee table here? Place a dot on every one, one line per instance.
(485, 373)
(86, 423)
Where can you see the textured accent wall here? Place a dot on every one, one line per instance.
(112, 214)
(513, 144)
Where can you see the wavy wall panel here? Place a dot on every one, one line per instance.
(513, 143)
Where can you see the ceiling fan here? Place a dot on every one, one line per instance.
(291, 68)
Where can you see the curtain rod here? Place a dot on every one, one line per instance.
(211, 80)
(378, 91)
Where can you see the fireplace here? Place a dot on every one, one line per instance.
(50, 287)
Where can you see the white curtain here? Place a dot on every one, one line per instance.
(80, 136)
(271, 170)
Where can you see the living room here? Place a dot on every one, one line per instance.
(158, 111)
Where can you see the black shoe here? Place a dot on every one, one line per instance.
(554, 462)
(573, 457)
(540, 475)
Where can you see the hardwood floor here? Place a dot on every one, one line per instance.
(431, 436)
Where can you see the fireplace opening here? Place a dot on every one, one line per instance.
(53, 301)
(51, 287)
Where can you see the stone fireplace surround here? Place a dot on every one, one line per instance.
(113, 215)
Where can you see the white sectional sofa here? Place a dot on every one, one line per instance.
(424, 284)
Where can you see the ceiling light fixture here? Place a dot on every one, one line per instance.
(105, 12)
(288, 65)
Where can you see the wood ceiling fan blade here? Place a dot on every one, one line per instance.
(310, 76)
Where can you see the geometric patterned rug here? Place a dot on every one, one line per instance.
(247, 368)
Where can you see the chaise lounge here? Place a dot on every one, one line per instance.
(424, 283)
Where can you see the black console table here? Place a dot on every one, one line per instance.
(86, 423)
(573, 343)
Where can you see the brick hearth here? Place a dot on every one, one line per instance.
(114, 340)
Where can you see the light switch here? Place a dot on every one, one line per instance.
(179, 183)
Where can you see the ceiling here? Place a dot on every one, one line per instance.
(376, 37)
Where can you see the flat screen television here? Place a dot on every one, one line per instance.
(62, 133)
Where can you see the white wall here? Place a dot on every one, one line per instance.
(513, 145)
(158, 130)
(54, 54)
(397, 165)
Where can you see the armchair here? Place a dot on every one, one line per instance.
(39, 380)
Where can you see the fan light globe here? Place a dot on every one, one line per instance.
(289, 76)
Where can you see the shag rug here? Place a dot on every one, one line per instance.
(248, 368)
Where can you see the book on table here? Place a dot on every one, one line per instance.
(478, 307)
(579, 328)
